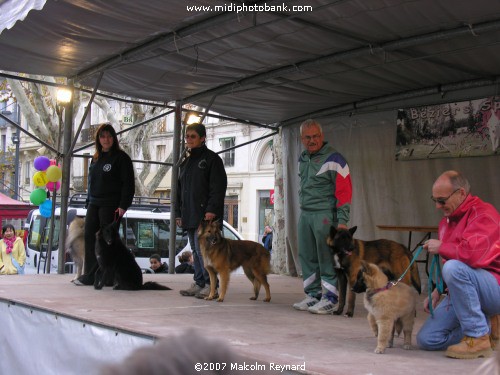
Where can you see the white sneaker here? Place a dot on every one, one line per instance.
(323, 307)
(306, 303)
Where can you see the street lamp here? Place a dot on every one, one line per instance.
(63, 95)
(192, 117)
(16, 140)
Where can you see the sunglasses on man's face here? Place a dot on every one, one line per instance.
(192, 136)
(442, 201)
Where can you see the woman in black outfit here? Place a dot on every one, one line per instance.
(111, 188)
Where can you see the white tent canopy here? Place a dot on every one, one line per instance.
(269, 67)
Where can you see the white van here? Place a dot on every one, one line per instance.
(145, 229)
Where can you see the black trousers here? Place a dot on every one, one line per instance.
(96, 217)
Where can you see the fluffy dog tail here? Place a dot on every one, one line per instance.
(151, 285)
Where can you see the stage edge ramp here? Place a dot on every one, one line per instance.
(36, 341)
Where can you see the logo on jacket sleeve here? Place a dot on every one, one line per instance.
(106, 167)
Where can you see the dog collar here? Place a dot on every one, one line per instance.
(389, 285)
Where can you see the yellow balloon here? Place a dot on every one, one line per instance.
(40, 179)
(53, 173)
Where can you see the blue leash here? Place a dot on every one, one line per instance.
(435, 269)
(417, 253)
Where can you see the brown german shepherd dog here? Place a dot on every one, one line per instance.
(391, 256)
(221, 256)
(387, 304)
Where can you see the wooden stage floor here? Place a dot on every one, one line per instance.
(269, 332)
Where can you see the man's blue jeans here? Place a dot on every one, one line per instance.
(473, 296)
(201, 277)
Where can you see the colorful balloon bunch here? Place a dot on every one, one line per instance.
(46, 180)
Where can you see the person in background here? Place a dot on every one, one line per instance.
(156, 265)
(186, 260)
(469, 245)
(267, 238)
(111, 188)
(325, 200)
(12, 252)
(201, 191)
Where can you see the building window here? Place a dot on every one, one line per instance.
(231, 210)
(27, 173)
(161, 152)
(161, 126)
(228, 156)
(88, 135)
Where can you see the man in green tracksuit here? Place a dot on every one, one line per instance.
(325, 200)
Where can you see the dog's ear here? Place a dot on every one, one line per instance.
(364, 266)
(352, 230)
(371, 269)
(217, 224)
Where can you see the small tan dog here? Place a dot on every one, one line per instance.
(75, 244)
(387, 304)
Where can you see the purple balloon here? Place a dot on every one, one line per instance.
(42, 163)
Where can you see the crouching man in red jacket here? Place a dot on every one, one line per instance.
(469, 245)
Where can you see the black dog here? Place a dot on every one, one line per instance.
(114, 258)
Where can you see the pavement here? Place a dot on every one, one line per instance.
(266, 332)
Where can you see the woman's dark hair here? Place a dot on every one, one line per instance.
(7, 226)
(106, 127)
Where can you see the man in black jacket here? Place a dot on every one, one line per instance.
(201, 191)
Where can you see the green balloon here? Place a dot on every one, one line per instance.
(38, 196)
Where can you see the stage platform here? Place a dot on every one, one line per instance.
(50, 326)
